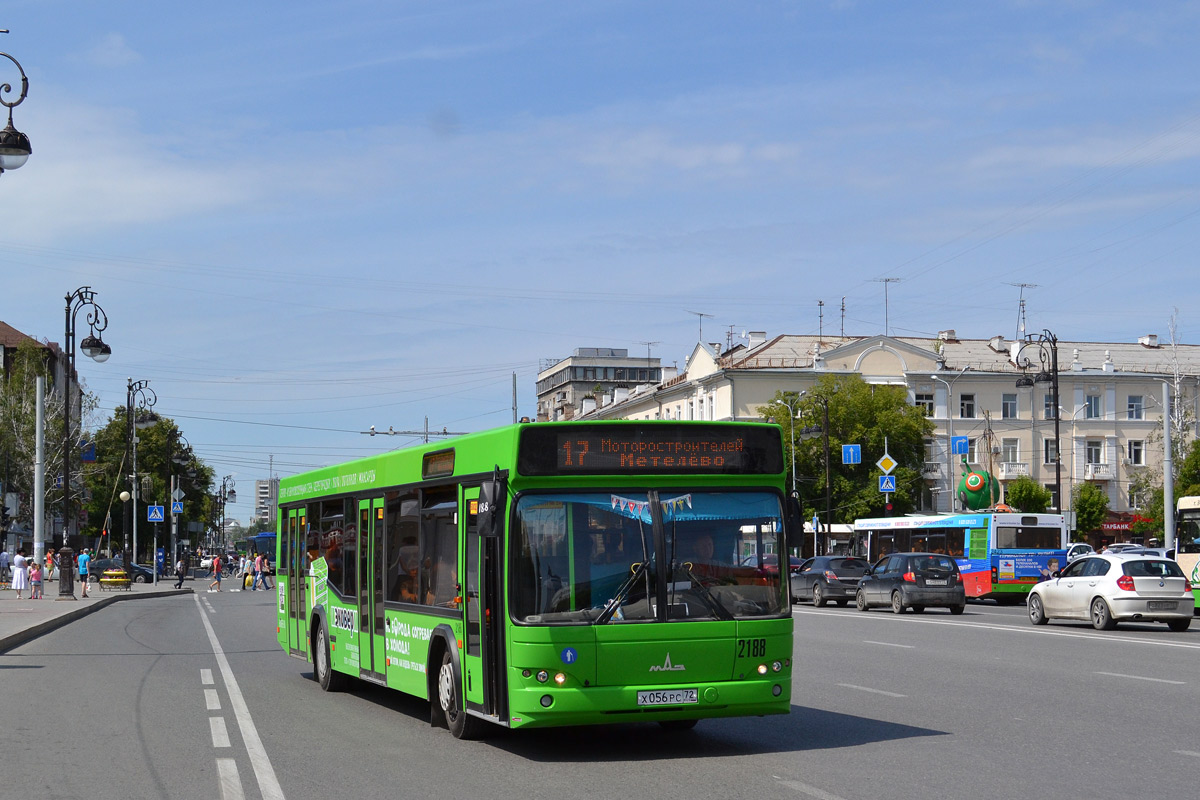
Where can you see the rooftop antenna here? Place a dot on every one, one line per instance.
(885, 282)
(701, 315)
(843, 316)
(1021, 307)
(820, 320)
(648, 346)
(729, 338)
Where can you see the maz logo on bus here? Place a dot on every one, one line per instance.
(668, 666)
(343, 619)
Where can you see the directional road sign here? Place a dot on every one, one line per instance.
(154, 513)
(959, 445)
(177, 507)
(887, 483)
(851, 454)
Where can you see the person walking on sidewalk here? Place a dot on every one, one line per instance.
(257, 572)
(266, 570)
(180, 570)
(83, 561)
(20, 572)
(35, 581)
(216, 568)
(50, 559)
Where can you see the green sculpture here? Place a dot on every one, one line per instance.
(977, 489)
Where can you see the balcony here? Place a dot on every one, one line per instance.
(1098, 472)
(1013, 469)
(933, 470)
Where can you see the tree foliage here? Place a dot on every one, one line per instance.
(1090, 503)
(1027, 495)
(859, 413)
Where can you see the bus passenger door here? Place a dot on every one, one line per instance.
(482, 652)
(297, 582)
(370, 589)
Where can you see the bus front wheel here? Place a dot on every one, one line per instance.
(330, 679)
(461, 724)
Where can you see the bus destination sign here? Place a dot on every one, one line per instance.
(651, 449)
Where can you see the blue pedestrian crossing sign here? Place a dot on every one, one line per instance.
(154, 513)
(959, 445)
(887, 483)
(851, 454)
(177, 507)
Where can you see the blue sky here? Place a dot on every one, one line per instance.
(304, 216)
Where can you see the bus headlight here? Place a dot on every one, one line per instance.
(762, 669)
(542, 676)
(560, 678)
(776, 666)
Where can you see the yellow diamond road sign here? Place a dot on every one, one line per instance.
(887, 464)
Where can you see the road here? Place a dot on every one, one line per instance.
(189, 697)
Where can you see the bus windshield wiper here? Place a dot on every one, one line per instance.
(705, 593)
(612, 605)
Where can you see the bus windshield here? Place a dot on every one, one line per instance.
(618, 557)
(1027, 538)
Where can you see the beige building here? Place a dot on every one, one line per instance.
(1110, 414)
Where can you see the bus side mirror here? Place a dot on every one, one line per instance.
(491, 506)
(795, 523)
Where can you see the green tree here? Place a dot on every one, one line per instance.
(1090, 504)
(1027, 495)
(18, 428)
(859, 413)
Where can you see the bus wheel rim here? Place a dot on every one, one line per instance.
(446, 688)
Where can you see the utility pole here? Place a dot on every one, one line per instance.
(820, 320)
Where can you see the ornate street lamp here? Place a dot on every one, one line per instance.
(94, 348)
(1047, 345)
(135, 420)
(225, 495)
(14, 145)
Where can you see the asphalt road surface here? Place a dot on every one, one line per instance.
(190, 697)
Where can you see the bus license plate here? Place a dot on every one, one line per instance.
(667, 697)
(1163, 605)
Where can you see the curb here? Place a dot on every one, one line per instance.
(21, 637)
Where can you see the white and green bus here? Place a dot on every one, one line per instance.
(549, 574)
(1187, 541)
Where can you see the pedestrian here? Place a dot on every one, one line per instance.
(242, 566)
(179, 573)
(216, 568)
(50, 562)
(35, 581)
(257, 572)
(83, 561)
(4, 561)
(20, 572)
(266, 570)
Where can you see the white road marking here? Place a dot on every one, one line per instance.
(206, 677)
(1095, 637)
(811, 791)
(220, 735)
(890, 644)
(872, 691)
(1192, 753)
(231, 782)
(1140, 678)
(211, 701)
(268, 784)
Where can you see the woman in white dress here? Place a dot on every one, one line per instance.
(20, 578)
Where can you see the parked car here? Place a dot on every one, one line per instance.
(138, 574)
(1160, 552)
(1078, 550)
(1112, 588)
(827, 578)
(1117, 547)
(912, 580)
(770, 563)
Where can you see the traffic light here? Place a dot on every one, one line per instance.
(5, 514)
(887, 508)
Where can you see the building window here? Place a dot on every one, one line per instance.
(1092, 451)
(966, 406)
(1047, 406)
(1009, 450)
(924, 401)
(1137, 452)
(1053, 490)
(1008, 406)
(972, 452)
(1093, 407)
(1135, 409)
(1049, 451)
(931, 450)
(1136, 498)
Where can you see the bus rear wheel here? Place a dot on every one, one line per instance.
(461, 724)
(329, 679)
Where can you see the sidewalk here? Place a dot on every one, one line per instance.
(25, 619)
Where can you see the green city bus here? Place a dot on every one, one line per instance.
(549, 574)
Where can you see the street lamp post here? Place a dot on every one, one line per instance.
(226, 495)
(950, 435)
(145, 397)
(828, 488)
(1047, 346)
(14, 145)
(94, 348)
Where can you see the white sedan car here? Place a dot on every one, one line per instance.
(1110, 588)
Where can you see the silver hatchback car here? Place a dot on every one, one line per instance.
(1108, 589)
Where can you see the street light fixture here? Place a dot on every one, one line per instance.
(141, 392)
(93, 347)
(950, 434)
(14, 145)
(1047, 345)
(225, 495)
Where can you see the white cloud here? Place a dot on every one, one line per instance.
(112, 51)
